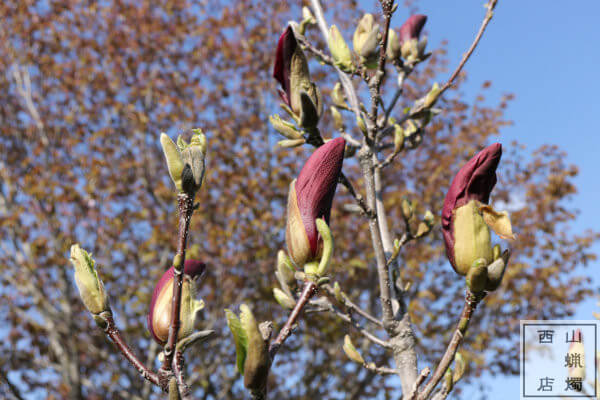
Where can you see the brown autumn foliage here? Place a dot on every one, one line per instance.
(86, 89)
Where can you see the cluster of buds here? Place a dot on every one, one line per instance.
(309, 207)
(409, 45)
(301, 96)
(185, 161)
(159, 317)
(366, 41)
(467, 219)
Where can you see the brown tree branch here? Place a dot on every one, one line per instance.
(486, 20)
(471, 301)
(113, 333)
(185, 204)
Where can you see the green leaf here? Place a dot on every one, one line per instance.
(240, 338)
(351, 351)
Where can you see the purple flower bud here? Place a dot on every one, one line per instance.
(411, 29)
(474, 181)
(159, 316)
(283, 63)
(311, 197)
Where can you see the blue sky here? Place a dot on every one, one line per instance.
(546, 53)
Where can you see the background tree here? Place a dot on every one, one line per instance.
(85, 91)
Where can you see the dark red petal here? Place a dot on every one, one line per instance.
(475, 180)
(316, 184)
(412, 28)
(193, 268)
(283, 59)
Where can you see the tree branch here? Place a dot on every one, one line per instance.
(352, 306)
(471, 301)
(486, 20)
(113, 333)
(186, 209)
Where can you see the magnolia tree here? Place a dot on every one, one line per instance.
(302, 270)
(86, 90)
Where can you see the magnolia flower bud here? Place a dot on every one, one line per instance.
(256, 364)
(432, 96)
(284, 299)
(466, 232)
(91, 288)
(337, 95)
(365, 40)
(286, 129)
(159, 317)
(291, 71)
(393, 45)
(185, 161)
(411, 48)
(310, 197)
(339, 50)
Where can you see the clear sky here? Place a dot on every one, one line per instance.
(547, 54)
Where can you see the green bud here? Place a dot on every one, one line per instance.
(448, 380)
(239, 337)
(308, 16)
(285, 268)
(407, 209)
(351, 351)
(337, 292)
(337, 95)
(288, 144)
(193, 159)
(428, 218)
(173, 158)
(337, 119)
(91, 288)
(432, 96)
(495, 271)
(393, 45)
(256, 365)
(325, 233)
(361, 125)
(365, 39)
(285, 128)
(477, 276)
(472, 240)
(339, 49)
(496, 252)
(459, 367)
(284, 300)
(398, 138)
(423, 229)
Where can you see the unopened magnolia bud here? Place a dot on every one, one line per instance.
(337, 292)
(288, 144)
(365, 39)
(337, 95)
(361, 124)
(193, 156)
(284, 300)
(466, 234)
(432, 96)
(159, 315)
(459, 367)
(308, 16)
(285, 268)
(423, 229)
(91, 288)
(393, 45)
(407, 209)
(256, 365)
(285, 128)
(173, 158)
(448, 382)
(477, 276)
(398, 138)
(310, 198)
(351, 351)
(339, 50)
(337, 119)
(428, 218)
(409, 37)
(495, 271)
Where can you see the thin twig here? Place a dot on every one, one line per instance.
(471, 301)
(310, 288)
(113, 333)
(328, 306)
(186, 208)
(380, 370)
(353, 307)
(422, 376)
(486, 20)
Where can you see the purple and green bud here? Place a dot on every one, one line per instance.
(467, 219)
(291, 71)
(159, 317)
(409, 45)
(311, 197)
